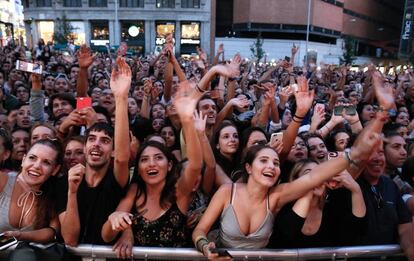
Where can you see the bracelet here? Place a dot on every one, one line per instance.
(200, 242)
(349, 159)
(300, 118)
(199, 89)
(293, 119)
(354, 122)
(54, 232)
(326, 126)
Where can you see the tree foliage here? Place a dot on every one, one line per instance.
(63, 31)
(257, 48)
(348, 56)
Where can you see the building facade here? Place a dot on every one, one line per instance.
(143, 24)
(373, 25)
(11, 20)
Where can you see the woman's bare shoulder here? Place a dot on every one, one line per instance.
(4, 177)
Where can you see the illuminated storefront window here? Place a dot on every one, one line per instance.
(163, 29)
(78, 34)
(46, 29)
(190, 37)
(100, 33)
(133, 33)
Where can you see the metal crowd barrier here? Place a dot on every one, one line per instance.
(96, 252)
(101, 253)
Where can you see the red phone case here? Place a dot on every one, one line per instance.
(83, 102)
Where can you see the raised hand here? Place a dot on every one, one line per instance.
(277, 145)
(239, 103)
(384, 93)
(73, 119)
(294, 49)
(364, 144)
(285, 93)
(36, 82)
(88, 115)
(75, 176)
(148, 86)
(185, 101)
(202, 54)
(220, 49)
(200, 121)
(85, 58)
(121, 78)
(231, 69)
(318, 115)
(304, 97)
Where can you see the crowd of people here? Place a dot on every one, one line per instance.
(202, 152)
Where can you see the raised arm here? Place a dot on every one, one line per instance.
(231, 69)
(85, 59)
(37, 99)
(360, 151)
(209, 176)
(220, 51)
(145, 106)
(185, 102)
(304, 100)
(120, 84)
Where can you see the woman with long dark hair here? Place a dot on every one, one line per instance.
(158, 198)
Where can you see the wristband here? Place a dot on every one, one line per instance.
(200, 242)
(354, 122)
(199, 89)
(293, 119)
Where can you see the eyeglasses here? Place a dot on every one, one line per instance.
(302, 144)
(378, 197)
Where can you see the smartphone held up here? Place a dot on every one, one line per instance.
(29, 67)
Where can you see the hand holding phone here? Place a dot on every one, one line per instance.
(276, 136)
(6, 241)
(221, 252)
(83, 102)
(29, 67)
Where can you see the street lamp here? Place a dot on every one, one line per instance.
(307, 30)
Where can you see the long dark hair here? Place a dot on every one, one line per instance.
(168, 192)
(46, 204)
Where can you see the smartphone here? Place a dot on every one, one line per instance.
(6, 242)
(350, 110)
(338, 110)
(276, 136)
(83, 102)
(29, 67)
(221, 252)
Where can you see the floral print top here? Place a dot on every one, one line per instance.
(169, 230)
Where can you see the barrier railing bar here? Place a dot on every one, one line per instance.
(148, 253)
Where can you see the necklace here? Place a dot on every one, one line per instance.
(23, 199)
